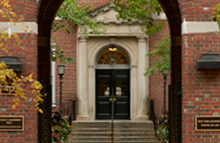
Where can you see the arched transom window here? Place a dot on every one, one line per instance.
(112, 56)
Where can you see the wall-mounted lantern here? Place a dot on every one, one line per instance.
(209, 61)
(12, 63)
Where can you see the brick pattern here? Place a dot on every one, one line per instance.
(26, 10)
(68, 44)
(156, 80)
(26, 108)
(201, 88)
(198, 10)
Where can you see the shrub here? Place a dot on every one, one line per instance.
(60, 128)
(163, 132)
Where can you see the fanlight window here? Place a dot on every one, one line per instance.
(112, 56)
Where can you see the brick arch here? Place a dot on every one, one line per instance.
(46, 14)
(173, 13)
(172, 10)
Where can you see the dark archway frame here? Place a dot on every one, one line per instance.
(46, 14)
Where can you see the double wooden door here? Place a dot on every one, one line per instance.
(112, 94)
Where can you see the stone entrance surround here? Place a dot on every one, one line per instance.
(135, 42)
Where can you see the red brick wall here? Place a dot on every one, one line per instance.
(201, 88)
(156, 80)
(27, 11)
(26, 108)
(68, 44)
(194, 10)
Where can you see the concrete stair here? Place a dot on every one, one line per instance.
(124, 131)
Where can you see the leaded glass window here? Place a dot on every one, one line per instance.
(112, 56)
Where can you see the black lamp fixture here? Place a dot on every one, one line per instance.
(209, 61)
(61, 70)
(165, 73)
(112, 56)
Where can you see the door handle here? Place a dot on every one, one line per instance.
(112, 98)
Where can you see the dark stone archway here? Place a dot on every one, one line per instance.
(172, 10)
(47, 11)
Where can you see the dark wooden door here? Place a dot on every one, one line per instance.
(112, 82)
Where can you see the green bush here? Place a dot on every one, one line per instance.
(163, 133)
(60, 129)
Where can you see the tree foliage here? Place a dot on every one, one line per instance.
(216, 16)
(7, 13)
(75, 14)
(7, 76)
(143, 11)
(161, 54)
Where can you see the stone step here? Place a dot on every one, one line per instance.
(137, 142)
(115, 142)
(134, 134)
(91, 130)
(134, 138)
(114, 133)
(90, 142)
(133, 130)
(133, 123)
(133, 126)
(123, 132)
(77, 134)
(90, 124)
(103, 122)
(92, 138)
(108, 138)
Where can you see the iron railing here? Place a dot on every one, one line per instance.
(153, 116)
(72, 113)
(179, 116)
(169, 113)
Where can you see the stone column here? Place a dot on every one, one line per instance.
(82, 74)
(91, 87)
(142, 81)
(133, 92)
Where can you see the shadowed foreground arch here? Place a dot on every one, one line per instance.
(47, 11)
(172, 10)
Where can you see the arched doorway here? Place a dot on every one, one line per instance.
(46, 14)
(112, 91)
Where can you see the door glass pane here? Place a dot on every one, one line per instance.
(121, 86)
(107, 91)
(103, 86)
(118, 91)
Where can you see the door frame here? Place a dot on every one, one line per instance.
(139, 83)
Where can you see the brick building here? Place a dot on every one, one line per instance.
(193, 33)
(128, 39)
